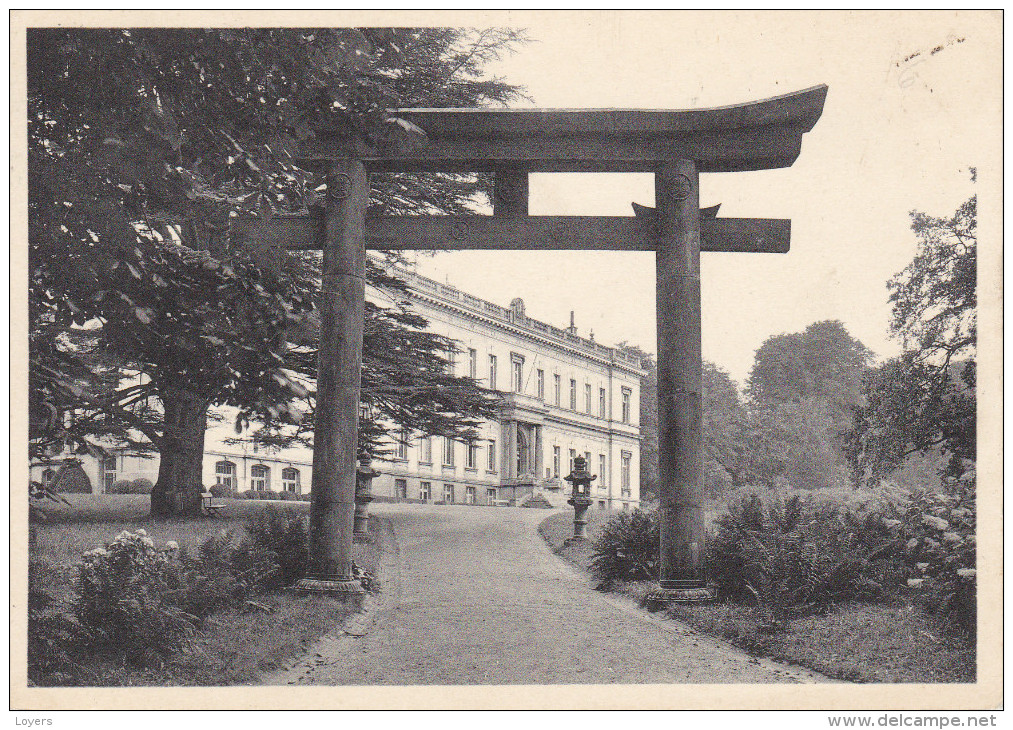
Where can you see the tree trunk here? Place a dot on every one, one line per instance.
(181, 459)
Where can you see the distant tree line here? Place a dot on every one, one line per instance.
(816, 412)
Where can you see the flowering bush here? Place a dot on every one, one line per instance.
(937, 534)
(127, 596)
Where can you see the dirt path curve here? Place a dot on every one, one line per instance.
(474, 596)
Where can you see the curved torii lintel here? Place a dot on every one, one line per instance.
(757, 135)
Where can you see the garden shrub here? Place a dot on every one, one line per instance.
(142, 486)
(122, 486)
(127, 597)
(289, 496)
(137, 486)
(285, 533)
(936, 532)
(53, 636)
(72, 479)
(803, 553)
(627, 548)
(221, 491)
(248, 494)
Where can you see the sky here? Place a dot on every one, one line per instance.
(900, 128)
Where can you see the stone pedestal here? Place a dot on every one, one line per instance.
(580, 506)
(581, 480)
(363, 496)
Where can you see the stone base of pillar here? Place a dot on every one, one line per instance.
(344, 590)
(667, 596)
(362, 538)
(575, 538)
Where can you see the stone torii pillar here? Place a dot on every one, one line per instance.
(676, 145)
(680, 390)
(341, 302)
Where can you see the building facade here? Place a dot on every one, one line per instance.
(562, 396)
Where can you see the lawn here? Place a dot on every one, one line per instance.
(858, 642)
(231, 647)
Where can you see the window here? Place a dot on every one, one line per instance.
(541, 384)
(517, 372)
(426, 450)
(401, 489)
(469, 495)
(448, 451)
(490, 495)
(108, 472)
(555, 461)
(626, 506)
(425, 491)
(472, 363)
(573, 457)
(601, 504)
(225, 475)
(587, 397)
(290, 479)
(492, 372)
(587, 459)
(260, 478)
(559, 388)
(602, 469)
(401, 446)
(625, 473)
(451, 361)
(492, 456)
(448, 493)
(471, 462)
(573, 394)
(601, 403)
(627, 395)
(48, 476)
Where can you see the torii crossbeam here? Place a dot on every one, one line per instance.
(675, 145)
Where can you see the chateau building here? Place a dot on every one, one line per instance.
(562, 396)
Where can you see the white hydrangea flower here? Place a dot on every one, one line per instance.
(172, 545)
(937, 522)
(922, 566)
(142, 533)
(951, 537)
(891, 523)
(967, 572)
(915, 582)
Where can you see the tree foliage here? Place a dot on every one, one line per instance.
(925, 398)
(143, 145)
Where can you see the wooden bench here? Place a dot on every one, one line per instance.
(209, 505)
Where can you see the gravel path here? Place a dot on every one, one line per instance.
(474, 596)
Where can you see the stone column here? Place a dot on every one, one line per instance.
(680, 404)
(335, 432)
(538, 458)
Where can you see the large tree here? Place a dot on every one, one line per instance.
(724, 427)
(802, 392)
(925, 398)
(143, 144)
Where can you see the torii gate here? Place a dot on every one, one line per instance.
(675, 145)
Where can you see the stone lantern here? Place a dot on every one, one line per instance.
(363, 480)
(580, 479)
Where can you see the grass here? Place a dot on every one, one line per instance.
(231, 647)
(857, 642)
